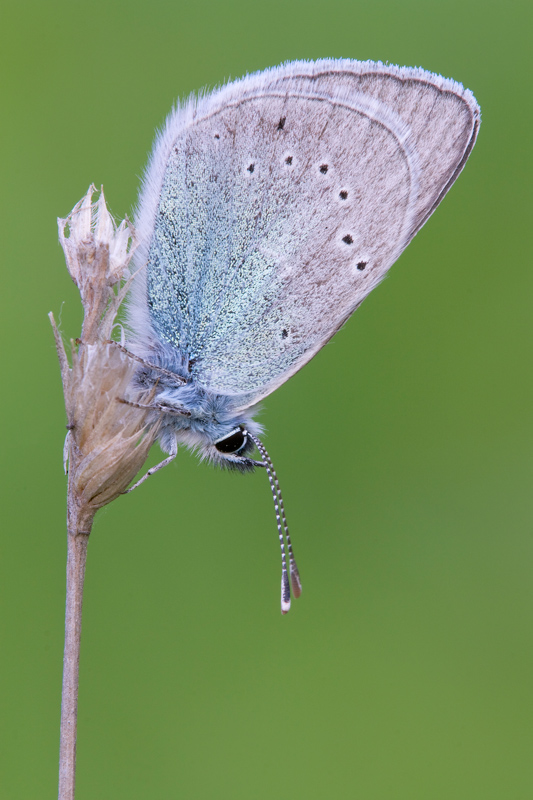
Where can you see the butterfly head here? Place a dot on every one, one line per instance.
(224, 440)
(230, 450)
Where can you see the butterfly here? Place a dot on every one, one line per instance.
(269, 210)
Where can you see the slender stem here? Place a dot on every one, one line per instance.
(101, 461)
(79, 528)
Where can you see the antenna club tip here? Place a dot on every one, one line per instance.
(295, 582)
(285, 607)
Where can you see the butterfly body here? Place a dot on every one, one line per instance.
(195, 417)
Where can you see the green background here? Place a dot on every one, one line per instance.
(403, 449)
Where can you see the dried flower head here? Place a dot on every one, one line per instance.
(98, 254)
(108, 440)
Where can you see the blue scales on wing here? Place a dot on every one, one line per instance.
(274, 206)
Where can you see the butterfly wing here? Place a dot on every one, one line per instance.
(272, 207)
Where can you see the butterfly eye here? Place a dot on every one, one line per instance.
(232, 443)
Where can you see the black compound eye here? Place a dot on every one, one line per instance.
(232, 443)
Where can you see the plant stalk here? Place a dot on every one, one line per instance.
(108, 440)
(78, 530)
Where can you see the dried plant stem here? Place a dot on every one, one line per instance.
(79, 524)
(77, 540)
(108, 440)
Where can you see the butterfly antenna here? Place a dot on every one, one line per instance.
(281, 520)
(295, 575)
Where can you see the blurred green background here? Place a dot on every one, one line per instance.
(403, 449)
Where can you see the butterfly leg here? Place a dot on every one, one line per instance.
(147, 364)
(171, 457)
(182, 412)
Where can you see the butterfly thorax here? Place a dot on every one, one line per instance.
(191, 415)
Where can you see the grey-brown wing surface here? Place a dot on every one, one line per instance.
(283, 201)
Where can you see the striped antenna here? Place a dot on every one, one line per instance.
(282, 528)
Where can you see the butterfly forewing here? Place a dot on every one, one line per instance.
(284, 199)
(443, 117)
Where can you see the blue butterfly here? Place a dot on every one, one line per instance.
(268, 212)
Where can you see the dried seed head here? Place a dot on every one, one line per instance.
(108, 440)
(98, 254)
